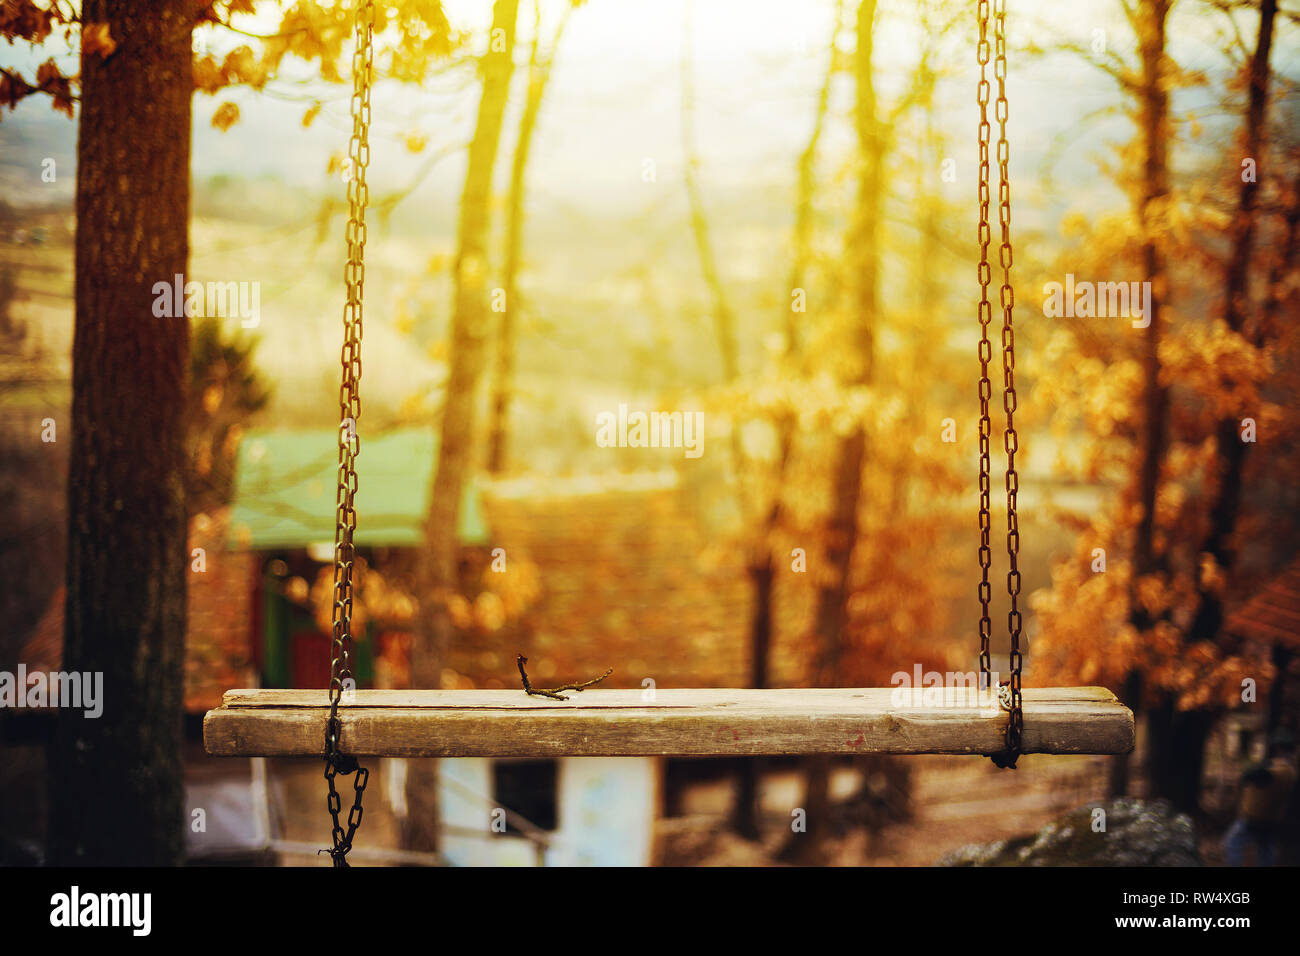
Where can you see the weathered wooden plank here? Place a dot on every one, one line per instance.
(516, 699)
(508, 723)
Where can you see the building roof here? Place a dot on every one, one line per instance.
(285, 483)
(1273, 615)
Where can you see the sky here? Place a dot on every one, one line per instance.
(615, 99)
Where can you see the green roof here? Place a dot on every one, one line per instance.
(285, 485)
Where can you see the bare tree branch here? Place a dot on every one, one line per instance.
(554, 692)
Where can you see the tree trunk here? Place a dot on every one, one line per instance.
(1176, 756)
(115, 784)
(1176, 760)
(539, 72)
(1148, 21)
(439, 559)
(1118, 776)
(1231, 450)
(842, 523)
(1153, 122)
(762, 566)
(724, 318)
(745, 813)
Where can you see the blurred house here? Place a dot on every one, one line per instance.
(637, 572)
(616, 570)
(1270, 621)
(1266, 626)
(625, 570)
(282, 518)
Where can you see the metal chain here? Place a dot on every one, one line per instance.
(1011, 698)
(1015, 726)
(985, 348)
(349, 442)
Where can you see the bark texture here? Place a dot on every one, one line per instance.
(115, 782)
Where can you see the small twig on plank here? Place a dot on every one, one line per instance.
(554, 692)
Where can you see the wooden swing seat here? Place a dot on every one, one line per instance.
(608, 723)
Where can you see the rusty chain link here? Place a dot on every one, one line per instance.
(1012, 696)
(985, 347)
(349, 442)
(1015, 726)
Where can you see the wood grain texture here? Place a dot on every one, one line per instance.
(508, 723)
